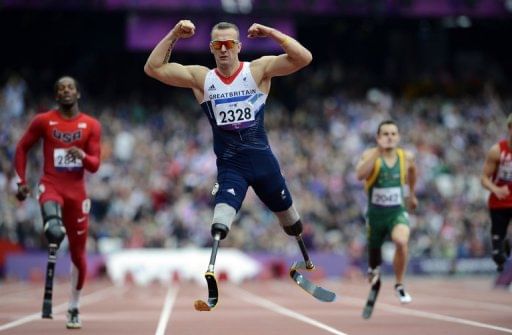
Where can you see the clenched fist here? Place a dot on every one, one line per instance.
(258, 30)
(76, 153)
(184, 29)
(23, 192)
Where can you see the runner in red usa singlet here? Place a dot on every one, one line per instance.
(71, 145)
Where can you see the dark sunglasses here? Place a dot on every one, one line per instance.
(229, 44)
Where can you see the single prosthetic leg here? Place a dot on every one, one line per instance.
(375, 260)
(308, 286)
(55, 232)
(219, 232)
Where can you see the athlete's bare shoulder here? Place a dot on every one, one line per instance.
(494, 152)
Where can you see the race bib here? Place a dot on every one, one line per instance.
(386, 197)
(63, 160)
(505, 171)
(230, 113)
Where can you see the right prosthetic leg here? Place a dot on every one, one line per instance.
(374, 262)
(222, 218)
(55, 232)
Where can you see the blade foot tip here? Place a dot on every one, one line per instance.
(201, 306)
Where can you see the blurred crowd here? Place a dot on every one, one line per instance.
(158, 168)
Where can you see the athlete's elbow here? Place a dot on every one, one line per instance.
(304, 60)
(150, 70)
(483, 181)
(308, 57)
(94, 168)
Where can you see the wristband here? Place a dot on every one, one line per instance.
(284, 41)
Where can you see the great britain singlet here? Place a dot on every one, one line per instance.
(235, 108)
(503, 176)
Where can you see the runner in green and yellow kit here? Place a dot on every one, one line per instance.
(386, 169)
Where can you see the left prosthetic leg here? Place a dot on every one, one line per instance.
(313, 289)
(55, 232)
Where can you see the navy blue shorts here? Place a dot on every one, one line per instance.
(259, 170)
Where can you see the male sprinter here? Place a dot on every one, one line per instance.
(233, 96)
(71, 145)
(386, 169)
(497, 179)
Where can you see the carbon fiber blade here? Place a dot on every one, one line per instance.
(316, 291)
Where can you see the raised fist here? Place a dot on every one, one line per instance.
(258, 30)
(184, 29)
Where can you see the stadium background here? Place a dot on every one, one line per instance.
(441, 69)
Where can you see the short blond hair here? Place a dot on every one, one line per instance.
(226, 25)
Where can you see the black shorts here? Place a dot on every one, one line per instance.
(261, 171)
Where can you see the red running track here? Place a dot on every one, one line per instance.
(462, 305)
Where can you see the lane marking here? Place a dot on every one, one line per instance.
(426, 315)
(422, 314)
(430, 295)
(256, 300)
(86, 299)
(170, 299)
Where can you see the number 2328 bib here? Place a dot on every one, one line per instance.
(234, 115)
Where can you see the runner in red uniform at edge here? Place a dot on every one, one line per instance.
(497, 178)
(71, 144)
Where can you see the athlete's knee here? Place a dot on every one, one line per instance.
(54, 230)
(401, 244)
(294, 229)
(53, 227)
(290, 221)
(221, 229)
(223, 217)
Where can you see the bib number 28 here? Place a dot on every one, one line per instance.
(63, 160)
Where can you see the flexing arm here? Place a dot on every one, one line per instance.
(174, 74)
(366, 163)
(296, 56)
(411, 180)
(490, 166)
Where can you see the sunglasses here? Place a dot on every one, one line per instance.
(229, 44)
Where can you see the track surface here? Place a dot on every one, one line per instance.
(440, 306)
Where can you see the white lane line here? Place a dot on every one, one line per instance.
(86, 299)
(170, 298)
(428, 295)
(255, 300)
(426, 315)
(422, 314)
(465, 302)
